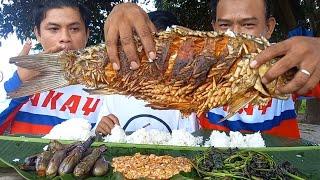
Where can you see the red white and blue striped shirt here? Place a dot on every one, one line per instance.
(37, 114)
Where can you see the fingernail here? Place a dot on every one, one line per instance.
(152, 56)
(115, 66)
(253, 64)
(264, 80)
(28, 41)
(134, 65)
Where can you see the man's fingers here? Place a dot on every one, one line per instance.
(110, 124)
(129, 47)
(145, 34)
(26, 47)
(104, 125)
(114, 119)
(112, 47)
(311, 83)
(271, 52)
(280, 67)
(152, 27)
(55, 49)
(299, 80)
(100, 129)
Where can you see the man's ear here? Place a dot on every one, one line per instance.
(213, 24)
(87, 34)
(37, 33)
(271, 23)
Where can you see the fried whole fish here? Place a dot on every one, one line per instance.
(57, 158)
(194, 71)
(74, 157)
(101, 167)
(42, 162)
(29, 163)
(86, 164)
(55, 145)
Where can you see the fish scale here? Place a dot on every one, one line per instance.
(194, 71)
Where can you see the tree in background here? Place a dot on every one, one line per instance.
(196, 14)
(289, 13)
(16, 16)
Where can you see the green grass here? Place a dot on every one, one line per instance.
(303, 107)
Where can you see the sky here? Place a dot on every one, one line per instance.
(12, 46)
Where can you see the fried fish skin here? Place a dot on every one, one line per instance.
(74, 157)
(57, 158)
(31, 160)
(86, 164)
(29, 163)
(42, 162)
(194, 71)
(101, 167)
(55, 145)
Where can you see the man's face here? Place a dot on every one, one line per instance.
(62, 26)
(243, 16)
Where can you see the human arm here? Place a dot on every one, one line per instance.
(120, 24)
(300, 52)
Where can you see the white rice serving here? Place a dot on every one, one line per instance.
(218, 139)
(142, 136)
(76, 129)
(183, 138)
(236, 139)
(154, 136)
(117, 135)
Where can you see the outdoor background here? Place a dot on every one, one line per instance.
(16, 18)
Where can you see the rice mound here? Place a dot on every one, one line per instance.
(235, 139)
(76, 129)
(117, 135)
(181, 137)
(153, 136)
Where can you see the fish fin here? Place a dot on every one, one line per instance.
(100, 91)
(50, 74)
(157, 107)
(239, 103)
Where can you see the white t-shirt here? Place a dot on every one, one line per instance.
(133, 115)
(65, 103)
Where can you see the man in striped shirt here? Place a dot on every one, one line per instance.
(278, 117)
(59, 25)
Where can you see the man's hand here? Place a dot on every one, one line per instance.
(27, 74)
(300, 52)
(106, 124)
(120, 23)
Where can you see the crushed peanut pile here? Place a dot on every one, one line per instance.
(150, 166)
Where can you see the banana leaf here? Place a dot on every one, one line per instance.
(305, 158)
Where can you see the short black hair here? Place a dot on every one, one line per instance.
(214, 4)
(39, 12)
(162, 19)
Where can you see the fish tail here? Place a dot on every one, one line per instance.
(50, 74)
